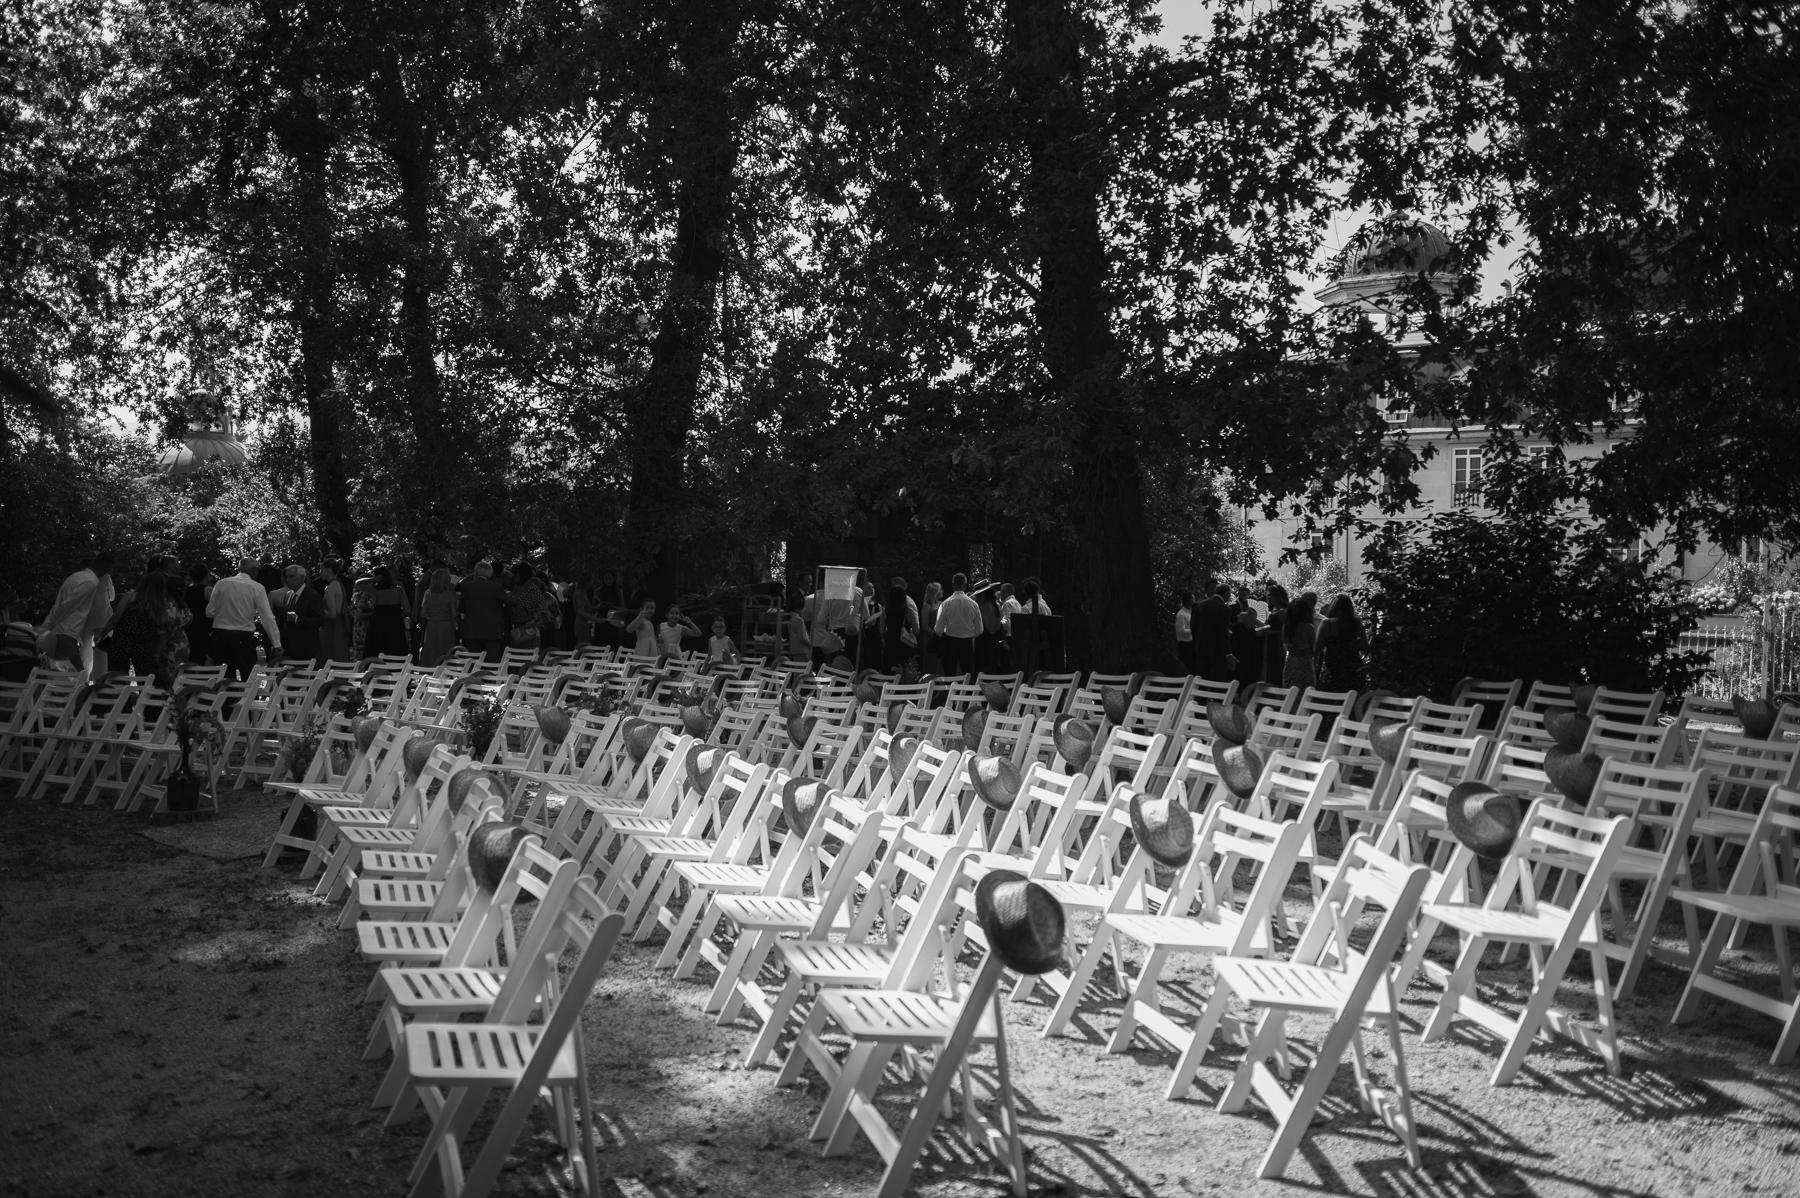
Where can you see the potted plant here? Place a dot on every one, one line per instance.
(195, 732)
(481, 719)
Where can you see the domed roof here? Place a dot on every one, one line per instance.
(1398, 245)
(187, 457)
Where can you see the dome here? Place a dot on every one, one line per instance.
(1395, 246)
(199, 449)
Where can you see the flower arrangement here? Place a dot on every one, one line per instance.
(481, 720)
(195, 730)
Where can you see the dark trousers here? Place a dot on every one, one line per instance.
(490, 646)
(237, 650)
(1185, 651)
(957, 654)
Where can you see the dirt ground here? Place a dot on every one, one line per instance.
(173, 1024)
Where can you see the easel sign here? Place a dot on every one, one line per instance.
(841, 582)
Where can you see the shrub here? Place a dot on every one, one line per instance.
(1533, 597)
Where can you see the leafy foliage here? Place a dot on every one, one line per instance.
(1460, 596)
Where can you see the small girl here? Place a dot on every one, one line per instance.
(644, 628)
(673, 629)
(721, 649)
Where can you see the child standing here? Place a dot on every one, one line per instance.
(673, 629)
(721, 650)
(644, 628)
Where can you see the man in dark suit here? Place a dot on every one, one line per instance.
(300, 613)
(1212, 634)
(484, 622)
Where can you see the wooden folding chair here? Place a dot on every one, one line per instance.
(1633, 707)
(1641, 744)
(1548, 839)
(1495, 699)
(1328, 978)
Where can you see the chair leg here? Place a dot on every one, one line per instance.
(1462, 981)
(1143, 990)
(769, 1035)
(678, 930)
(696, 946)
(1070, 1002)
(1195, 1052)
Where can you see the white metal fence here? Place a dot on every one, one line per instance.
(1756, 652)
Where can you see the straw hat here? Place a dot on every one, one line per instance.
(1365, 702)
(639, 735)
(491, 849)
(974, 723)
(1483, 818)
(1023, 922)
(1568, 729)
(553, 722)
(365, 727)
(996, 780)
(1385, 739)
(1584, 695)
(1230, 723)
(800, 728)
(695, 722)
(841, 662)
(791, 705)
(415, 753)
(456, 790)
(801, 799)
(1758, 716)
(866, 691)
(1165, 827)
(900, 755)
(895, 713)
(1115, 701)
(1573, 773)
(1074, 740)
(998, 697)
(703, 762)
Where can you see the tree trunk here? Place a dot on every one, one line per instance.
(1106, 505)
(309, 143)
(703, 161)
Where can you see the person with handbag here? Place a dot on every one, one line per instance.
(899, 626)
(529, 608)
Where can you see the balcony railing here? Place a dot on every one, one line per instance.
(1466, 495)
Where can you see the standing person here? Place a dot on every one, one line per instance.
(987, 641)
(673, 628)
(481, 605)
(525, 608)
(795, 640)
(140, 632)
(387, 622)
(1274, 652)
(612, 607)
(581, 613)
(934, 596)
(268, 577)
(958, 624)
(437, 611)
(720, 648)
(301, 613)
(362, 610)
(1298, 637)
(1184, 634)
(237, 606)
(1212, 634)
(565, 606)
(1246, 646)
(199, 591)
(899, 626)
(83, 607)
(334, 633)
(832, 624)
(643, 628)
(1340, 648)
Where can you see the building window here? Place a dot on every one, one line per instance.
(1542, 455)
(1466, 478)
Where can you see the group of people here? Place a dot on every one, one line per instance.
(1223, 639)
(962, 632)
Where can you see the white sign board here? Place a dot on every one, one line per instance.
(840, 582)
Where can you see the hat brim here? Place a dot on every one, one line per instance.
(1023, 922)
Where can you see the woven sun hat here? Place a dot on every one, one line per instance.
(1164, 826)
(1074, 740)
(1022, 921)
(1758, 716)
(1365, 703)
(553, 722)
(415, 753)
(1568, 728)
(695, 722)
(896, 712)
(996, 780)
(456, 790)
(1483, 818)
(866, 691)
(790, 705)
(639, 735)
(491, 849)
(974, 723)
(365, 727)
(900, 755)
(703, 762)
(800, 728)
(1230, 723)
(1573, 773)
(801, 799)
(1584, 695)
(1115, 701)
(998, 696)
(840, 662)
(1240, 768)
(1385, 739)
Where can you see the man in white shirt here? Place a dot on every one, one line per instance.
(237, 604)
(832, 620)
(1008, 605)
(83, 607)
(958, 624)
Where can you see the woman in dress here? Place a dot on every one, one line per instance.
(898, 618)
(525, 604)
(437, 610)
(387, 624)
(1298, 637)
(362, 606)
(581, 613)
(334, 633)
(140, 632)
(199, 590)
(1340, 648)
(1274, 654)
(934, 595)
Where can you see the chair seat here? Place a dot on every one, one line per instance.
(768, 913)
(1179, 931)
(395, 897)
(716, 875)
(900, 1016)
(404, 940)
(396, 865)
(1633, 862)
(1293, 987)
(843, 964)
(1757, 908)
(639, 825)
(357, 817)
(677, 848)
(361, 837)
(1546, 927)
(1726, 825)
(421, 991)
(1078, 896)
(457, 1054)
